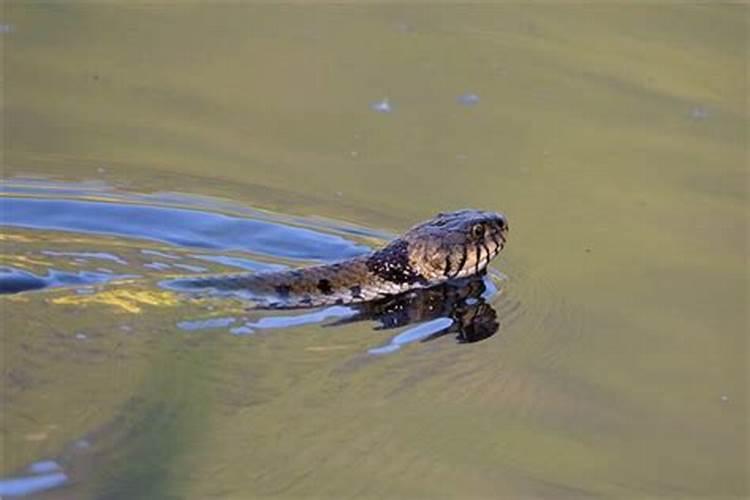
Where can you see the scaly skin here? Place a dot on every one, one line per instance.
(450, 246)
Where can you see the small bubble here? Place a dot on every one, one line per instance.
(101, 170)
(354, 154)
(82, 444)
(724, 398)
(81, 336)
(405, 27)
(699, 113)
(382, 106)
(468, 99)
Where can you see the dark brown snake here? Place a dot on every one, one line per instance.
(448, 247)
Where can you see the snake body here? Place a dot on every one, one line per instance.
(447, 247)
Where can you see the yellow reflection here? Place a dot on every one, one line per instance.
(129, 301)
(15, 237)
(22, 261)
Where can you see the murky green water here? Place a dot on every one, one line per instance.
(614, 138)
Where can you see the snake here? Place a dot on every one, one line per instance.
(450, 246)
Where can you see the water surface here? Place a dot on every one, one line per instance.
(150, 141)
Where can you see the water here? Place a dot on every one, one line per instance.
(147, 142)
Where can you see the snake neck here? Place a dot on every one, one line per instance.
(385, 272)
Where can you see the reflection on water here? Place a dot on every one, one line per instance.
(459, 307)
(22, 486)
(17, 280)
(181, 227)
(259, 236)
(45, 475)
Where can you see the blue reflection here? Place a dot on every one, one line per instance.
(20, 486)
(415, 334)
(177, 226)
(468, 99)
(163, 255)
(247, 264)
(206, 324)
(192, 269)
(275, 322)
(157, 266)
(44, 466)
(86, 255)
(16, 280)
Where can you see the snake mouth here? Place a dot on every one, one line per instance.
(502, 234)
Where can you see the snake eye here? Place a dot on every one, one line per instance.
(477, 230)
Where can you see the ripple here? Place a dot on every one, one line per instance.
(176, 226)
(16, 280)
(188, 229)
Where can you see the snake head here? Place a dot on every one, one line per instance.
(456, 244)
